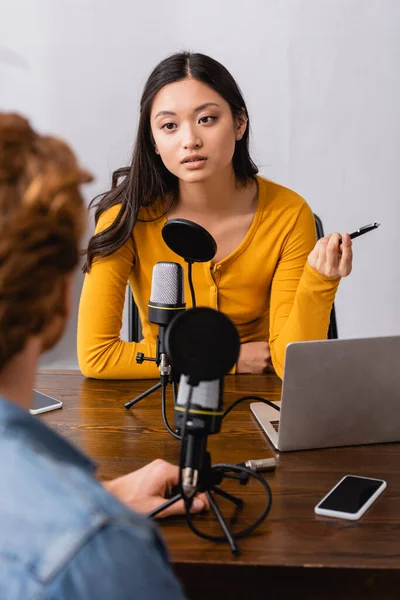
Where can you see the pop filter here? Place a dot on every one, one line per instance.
(189, 240)
(202, 343)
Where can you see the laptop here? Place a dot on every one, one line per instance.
(336, 393)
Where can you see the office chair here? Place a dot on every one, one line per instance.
(332, 331)
(134, 324)
(135, 327)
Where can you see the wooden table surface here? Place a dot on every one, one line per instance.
(294, 551)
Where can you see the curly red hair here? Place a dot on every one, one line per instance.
(42, 218)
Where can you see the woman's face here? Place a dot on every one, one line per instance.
(194, 130)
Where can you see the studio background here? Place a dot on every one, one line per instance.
(321, 79)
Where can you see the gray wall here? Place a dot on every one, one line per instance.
(322, 82)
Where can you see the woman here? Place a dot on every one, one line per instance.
(191, 160)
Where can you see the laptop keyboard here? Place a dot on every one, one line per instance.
(275, 425)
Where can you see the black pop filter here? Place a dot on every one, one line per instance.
(189, 240)
(202, 343)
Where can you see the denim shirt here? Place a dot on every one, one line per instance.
(62, 535)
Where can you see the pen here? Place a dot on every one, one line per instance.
(263, 464)
(363, 230)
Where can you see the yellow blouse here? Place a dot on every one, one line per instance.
(266, 287)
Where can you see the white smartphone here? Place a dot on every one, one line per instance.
(351, 497)
(43, 403)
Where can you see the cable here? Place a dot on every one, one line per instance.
(190, 264)
(164, 413)
(258, 398)
(221, 538)
(225, 468)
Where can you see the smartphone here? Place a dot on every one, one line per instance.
(42, 403)
(351, 497)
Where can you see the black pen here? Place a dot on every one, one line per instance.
(361, 231)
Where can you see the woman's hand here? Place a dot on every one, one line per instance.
(330, 258)
(254, 358)
(147, 488)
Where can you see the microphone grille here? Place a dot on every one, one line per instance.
(167, 283)
(206, 395)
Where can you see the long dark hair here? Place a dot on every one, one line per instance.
(147, 178)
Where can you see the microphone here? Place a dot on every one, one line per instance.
(166, 301)
(199, 417)
(167, 293)
(205, 403)
(204, 345)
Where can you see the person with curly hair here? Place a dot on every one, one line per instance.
(63, 534)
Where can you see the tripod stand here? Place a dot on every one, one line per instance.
(166, 377)
(209, 478)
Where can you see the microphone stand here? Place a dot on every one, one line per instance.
(194, 244)
(209, 479)
(166, 377)
(194, 443)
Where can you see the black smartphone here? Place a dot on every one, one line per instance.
(351, 497)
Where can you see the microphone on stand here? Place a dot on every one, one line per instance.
(195, 244)
(203, 344)
(205, 414)
(166, 302)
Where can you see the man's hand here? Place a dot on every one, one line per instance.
(331, 258)
(254, 357)
(149, 487)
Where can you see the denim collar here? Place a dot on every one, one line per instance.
(19, 422)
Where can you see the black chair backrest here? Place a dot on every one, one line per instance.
(332, 331)
(134, 324)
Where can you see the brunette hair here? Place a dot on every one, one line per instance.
(42, 218)
(147, 178)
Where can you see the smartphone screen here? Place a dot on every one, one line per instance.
(43, 403)
(351, 494)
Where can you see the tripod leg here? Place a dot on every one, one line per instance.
(146, 393)
(166, 504)
(223, 524)
(237, 501)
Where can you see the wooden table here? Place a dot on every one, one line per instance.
(294, 552)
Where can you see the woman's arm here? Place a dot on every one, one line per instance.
(301, 297)
(101, 352)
